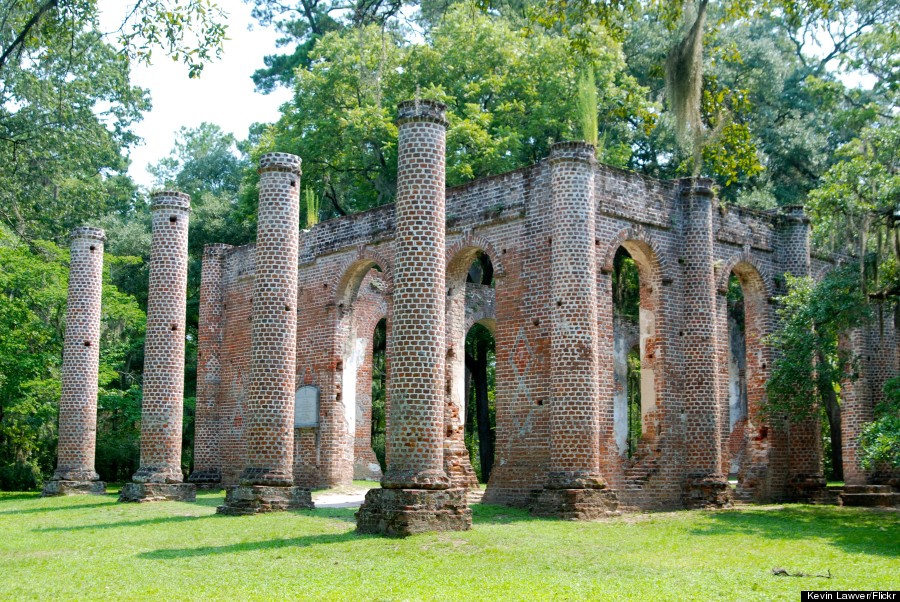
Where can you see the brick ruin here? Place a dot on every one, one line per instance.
(285, 355)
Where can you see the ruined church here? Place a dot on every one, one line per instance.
(285, 350)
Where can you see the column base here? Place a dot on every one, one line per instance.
(806, 488)
(707, 491)
(55, 488)
(158, 475)
(575, 504)
(402, 512)
(206, 480)
(256, 499)
(158, 492)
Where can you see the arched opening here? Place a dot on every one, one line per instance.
(378, 430)
(362, 307)
(737, 373)
(481, 415)
(747, 451)
(634, 348)
(469, 417)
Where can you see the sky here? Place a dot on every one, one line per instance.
(222, 95)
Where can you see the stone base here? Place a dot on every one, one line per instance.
(158, 492)
(257, 499)
(206, 480)
(54, 488)
(402, 512)
(707, 492)
(575, 504)
(806, 488)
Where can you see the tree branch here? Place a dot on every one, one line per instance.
(20, 39)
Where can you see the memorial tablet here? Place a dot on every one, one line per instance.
(306, 407)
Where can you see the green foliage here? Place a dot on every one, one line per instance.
(587, 105)
(509, 97)
(812, 317)
(190, 31)
(65, 111)
(880, 440)
(633, 387)
(626, 285)
(311, 201)
(854, 205)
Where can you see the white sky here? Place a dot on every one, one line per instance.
(222, 95)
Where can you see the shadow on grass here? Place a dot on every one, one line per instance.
(133, 523)
(101, 501)
(22, 495)
(855, 531)
(488, 514)
(272, 544)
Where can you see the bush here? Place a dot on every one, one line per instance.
(20, 476)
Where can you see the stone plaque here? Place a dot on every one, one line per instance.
(306, 407)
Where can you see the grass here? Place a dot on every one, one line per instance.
(93, 547)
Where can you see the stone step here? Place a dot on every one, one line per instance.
(871, 500)
(868, 489)
(473, 496)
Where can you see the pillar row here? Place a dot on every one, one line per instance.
(81, 359)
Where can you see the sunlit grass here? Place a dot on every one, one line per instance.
(94, 547)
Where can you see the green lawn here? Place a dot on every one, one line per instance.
(94, 547)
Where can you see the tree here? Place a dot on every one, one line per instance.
(304, 23)
(191, 31)
(810, 365)
(509, 97)
(880, 439)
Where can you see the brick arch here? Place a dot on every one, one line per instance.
(639, 235)
(741, 264)
(355, 268)
(461, 254)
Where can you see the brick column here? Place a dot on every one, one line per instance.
(81, 358)
(803, 438)
(159, 476)
(856, 405)
(266, 483)
(574, 487)
(416, 494)
(705, 485)
(207, 463)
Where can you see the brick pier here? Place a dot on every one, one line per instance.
(207, 460)
(574, 487)
(81, 358)
(159, 476)
(267, 482)
(416, 493)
